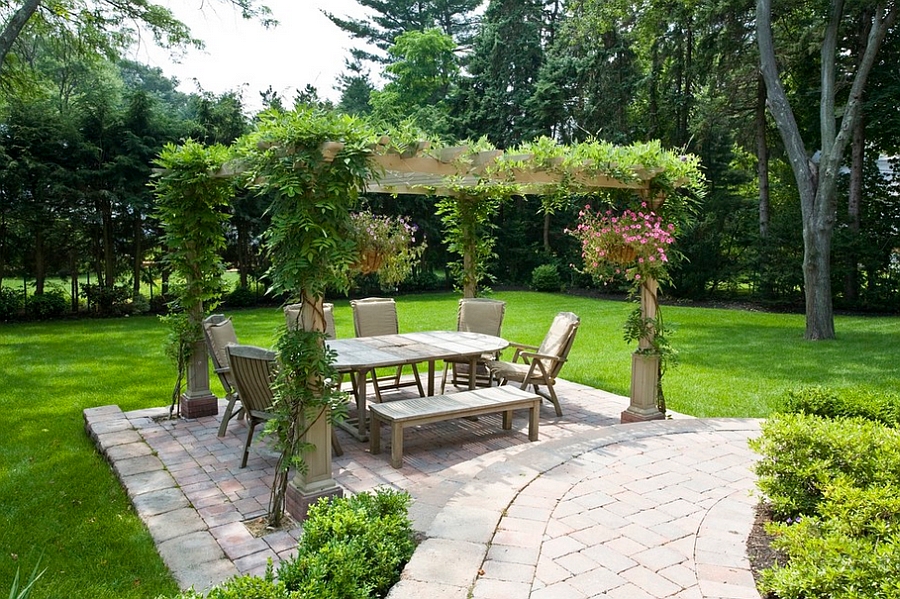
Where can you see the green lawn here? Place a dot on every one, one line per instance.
(58, 497)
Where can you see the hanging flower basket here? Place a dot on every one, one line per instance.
(621, 254)
(369, 262)
(631, 243)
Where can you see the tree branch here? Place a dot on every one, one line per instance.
(14, 27)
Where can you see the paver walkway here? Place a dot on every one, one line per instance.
(593, 509)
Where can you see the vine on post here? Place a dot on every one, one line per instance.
(191, 205)
(312, 164)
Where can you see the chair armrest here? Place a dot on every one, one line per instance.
(521, 347)
(223, 370)
(537, 356)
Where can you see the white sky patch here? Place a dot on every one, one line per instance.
(305, 48)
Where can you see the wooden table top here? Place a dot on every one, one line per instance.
(365, 353)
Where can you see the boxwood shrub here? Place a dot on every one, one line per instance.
(351, 548)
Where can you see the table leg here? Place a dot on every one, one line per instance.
(430, 378)
(361, 376)
(473, 364)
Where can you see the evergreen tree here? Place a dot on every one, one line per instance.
(504, 66)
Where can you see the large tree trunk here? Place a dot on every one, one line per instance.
(762, 159)
(14, 27)
(817, 185)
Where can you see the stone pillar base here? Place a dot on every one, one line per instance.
(629, 416)
(197, 407)
(297, 502)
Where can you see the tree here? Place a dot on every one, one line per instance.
(107, 19)
(419, 80)
(391, 18)
(504, 68)
(817, 183)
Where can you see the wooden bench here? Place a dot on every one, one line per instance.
(424, 410)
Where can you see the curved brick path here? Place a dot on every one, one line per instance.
(593, 509)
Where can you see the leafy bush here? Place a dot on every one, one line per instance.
(546, 278)
(53, 303)
(107, 301)
(241, 587)
(241, 297)
(848, 403)
(140, 304)
(833, 485)
(852, 550)
(10, 303)
(351, 547)
(802, 455)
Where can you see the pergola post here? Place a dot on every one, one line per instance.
(198, 400)
(645, 367)
(308, 486)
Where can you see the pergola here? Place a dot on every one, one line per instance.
(448, 172)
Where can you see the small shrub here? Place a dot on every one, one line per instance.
(140, 304)
(847, 403)
(107, 301)
(851, 550)
(546, 278)
(53, 303)
(802, 455)
(10, 303)
(241, 297)
(159, 304)
(351, 547)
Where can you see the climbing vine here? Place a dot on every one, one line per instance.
(191, 204)
(312, 164)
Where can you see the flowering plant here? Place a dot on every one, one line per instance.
(633, 244)
(386, 246)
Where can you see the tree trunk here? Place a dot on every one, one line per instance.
(14, 27)
(762, 159)
(138, 255)
(40, 272)
(817, 185)
(854, 201)
(547, 232)
(109, 249)
(243, 251)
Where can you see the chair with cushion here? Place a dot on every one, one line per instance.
(540, 365)
(475, 315)
(219, 333)
(292, 318)
(378, 316)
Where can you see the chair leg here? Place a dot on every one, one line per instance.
(229, 414)
(336, 445)
(375, 387)
(252, 424)
(444, 377)
(415, 370)
(554, 399)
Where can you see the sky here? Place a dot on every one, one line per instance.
(305, 48)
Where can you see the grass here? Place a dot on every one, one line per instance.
(59, 498)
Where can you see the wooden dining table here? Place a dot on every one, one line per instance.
(358, 356)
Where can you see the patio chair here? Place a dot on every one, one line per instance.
(475, 315)
(219, 333)
(540, 365)
(378, 316)
(253, 370)
(292, 317)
